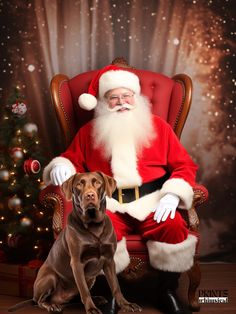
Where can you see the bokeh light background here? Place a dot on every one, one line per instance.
(43, 37)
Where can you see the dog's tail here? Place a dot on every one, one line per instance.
(21, 305)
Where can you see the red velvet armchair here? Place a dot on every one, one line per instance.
(171, 100)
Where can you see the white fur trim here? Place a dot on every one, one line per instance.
(124, 165)
(87, 101)
(138, 209)
(53, 162)
(121, 256)
(181, 188)
(118, 78)
(172, 257)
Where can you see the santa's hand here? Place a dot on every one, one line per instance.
(166, 207)
(59, 174)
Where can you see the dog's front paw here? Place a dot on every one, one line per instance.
(51, 308)
(130, 307)
(93, 310)
(55, 308)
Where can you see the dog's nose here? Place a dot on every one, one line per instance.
(90, 196)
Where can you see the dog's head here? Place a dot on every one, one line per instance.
(88, 191)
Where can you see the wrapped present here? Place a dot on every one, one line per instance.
(17, 280)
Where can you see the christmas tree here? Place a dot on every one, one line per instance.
(25, 225)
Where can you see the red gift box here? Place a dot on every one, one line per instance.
(17, 280)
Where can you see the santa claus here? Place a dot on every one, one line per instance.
(153, 171)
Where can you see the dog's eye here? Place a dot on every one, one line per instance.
(95, 182)
(80, 184)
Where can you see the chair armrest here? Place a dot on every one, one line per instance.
(200, 196)
(53, 197)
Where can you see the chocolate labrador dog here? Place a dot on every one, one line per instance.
(82, 251)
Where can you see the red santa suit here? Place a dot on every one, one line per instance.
(170, 246)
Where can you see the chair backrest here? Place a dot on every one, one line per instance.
(170, 98)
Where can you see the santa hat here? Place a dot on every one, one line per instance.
(106, 79)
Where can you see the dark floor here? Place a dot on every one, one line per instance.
(214, 277)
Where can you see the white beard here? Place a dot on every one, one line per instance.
(122, 136)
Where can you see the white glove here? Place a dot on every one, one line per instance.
(166, 206)
(60, 173)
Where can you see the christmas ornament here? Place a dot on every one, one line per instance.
(16, 153)
(32, 166)
(19, 108)
(26, 222)
(14, 203)
(30, 129)
(4, 175)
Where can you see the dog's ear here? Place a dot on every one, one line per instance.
(67, 187)
(110, 184)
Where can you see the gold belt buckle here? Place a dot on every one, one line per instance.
(120, 195)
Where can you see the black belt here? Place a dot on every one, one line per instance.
(127, 195)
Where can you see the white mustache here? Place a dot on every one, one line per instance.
(119, 107)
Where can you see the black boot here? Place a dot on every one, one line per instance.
(168, 284)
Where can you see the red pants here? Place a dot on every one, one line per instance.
(170, 231)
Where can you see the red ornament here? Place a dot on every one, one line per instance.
(32, 166)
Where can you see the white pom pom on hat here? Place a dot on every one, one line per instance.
(87, 101)
(108, 78)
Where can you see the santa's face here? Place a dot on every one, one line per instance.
(122, 123)
(120, 99)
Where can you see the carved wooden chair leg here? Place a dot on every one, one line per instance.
(194, 275)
